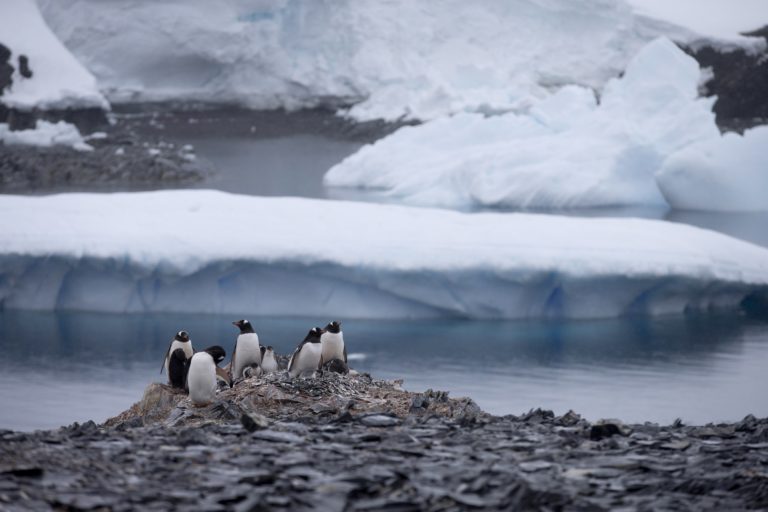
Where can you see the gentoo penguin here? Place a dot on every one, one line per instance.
(201, 377)
(306, 357)
(268, 360)
(182, 341)
(332, 341)
(247, 350)
(178, 364)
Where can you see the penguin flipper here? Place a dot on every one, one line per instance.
(165, 359)
(295, 353)
(320, 363)
(232, 363)
(345, 354)
(263, 349)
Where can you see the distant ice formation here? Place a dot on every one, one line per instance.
(58, 80)
(206, 251)
(568, 151)
(45, 134)
(728, 173)
(390, 60)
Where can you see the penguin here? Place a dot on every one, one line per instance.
(247, 350)
(332, 340)
(178, 365)
(201, 377)
(222, 378)
(182, 341)
(268, 360)
(306, 357)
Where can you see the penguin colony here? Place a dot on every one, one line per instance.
(201, 376)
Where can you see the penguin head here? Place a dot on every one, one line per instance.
(270, 349)
(314, 335)
(244, 326)
(334, 327)
(182, 336)
(217, 353)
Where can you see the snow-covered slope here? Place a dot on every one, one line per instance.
(567, 151)
(395, 58)
(58, 80)
(215, 252)
(45, 134)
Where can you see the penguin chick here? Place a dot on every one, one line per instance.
(247, 350)
(182, 341)
(306, 357)
(332, 340)
(253, 370)
(201, 377)
(178, 365)
(268, 360)
(222, 378)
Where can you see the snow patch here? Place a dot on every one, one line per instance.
(46, 134)
(58, 80)
(189, 251)
(566, 152)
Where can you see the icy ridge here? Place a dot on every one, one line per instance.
(207, 251)
(390, 60)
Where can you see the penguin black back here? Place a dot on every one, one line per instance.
(178, 366)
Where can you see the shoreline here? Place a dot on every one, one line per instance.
(355, 443)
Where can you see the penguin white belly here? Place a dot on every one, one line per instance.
(307, 359)
(247, 352)
(333, 346)
(201, 379)
(185, 346)
(269, 364)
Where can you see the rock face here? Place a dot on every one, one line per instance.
(740, 82)
(349, 443)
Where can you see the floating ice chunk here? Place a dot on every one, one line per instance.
(185, 251)
(728, 173)
(46, 134)
(567, 152)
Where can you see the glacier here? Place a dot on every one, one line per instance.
(568, 151)
(58, 80)
(214, 252)
(389, 60)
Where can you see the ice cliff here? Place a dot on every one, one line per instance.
(206, 251)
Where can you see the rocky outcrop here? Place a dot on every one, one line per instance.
(740, 82)
(351, 443)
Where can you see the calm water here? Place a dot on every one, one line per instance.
(63, 367)
(59, 368)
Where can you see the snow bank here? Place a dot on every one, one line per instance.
(568, 151)
(391, 59)
(58, 80)
(45, 134)
(728, 173)
(208, 251)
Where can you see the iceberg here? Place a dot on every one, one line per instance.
(58, 80)
(375, 60)
(568, 151)
(728, 173)
(214, 252)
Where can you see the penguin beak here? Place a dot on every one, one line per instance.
(236, 323)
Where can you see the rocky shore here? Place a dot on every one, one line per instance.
(354, 443)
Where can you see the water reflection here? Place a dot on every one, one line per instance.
(59, 368)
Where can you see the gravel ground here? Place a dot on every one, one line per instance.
(353, 443)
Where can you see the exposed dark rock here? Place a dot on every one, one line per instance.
(24, 69)
(6, 72)
(740, 82)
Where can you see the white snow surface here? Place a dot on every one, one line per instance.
(58, 80)
(391, 59)
(209, 251)
(45, 134)
(566, 152)
(728, 173)
(722, 19)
